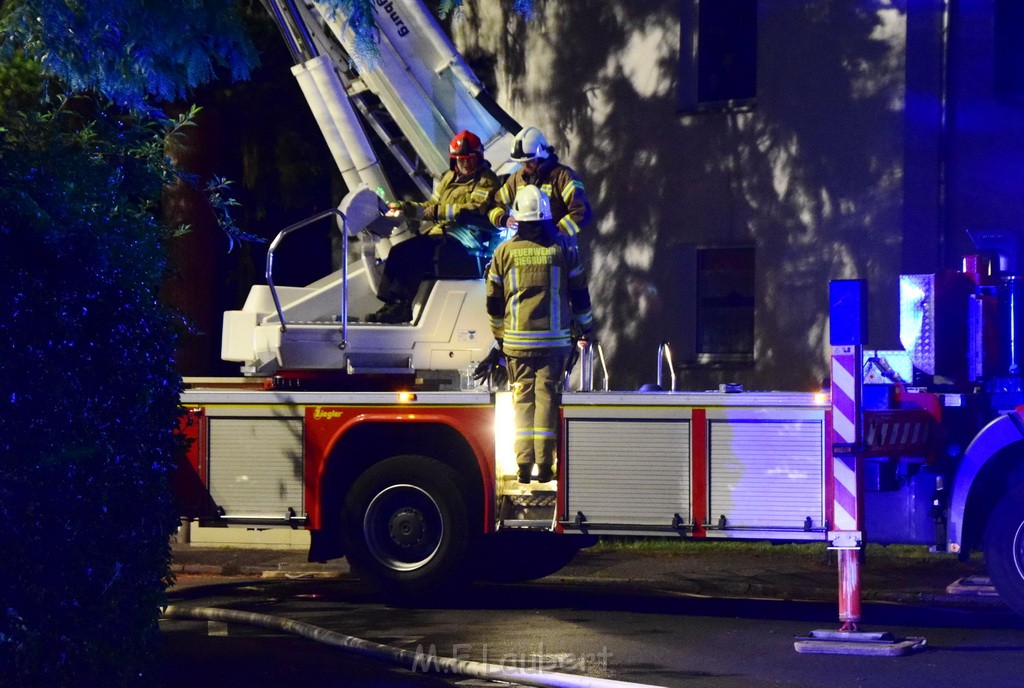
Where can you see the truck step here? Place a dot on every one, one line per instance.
(525, 524)
(531, 509)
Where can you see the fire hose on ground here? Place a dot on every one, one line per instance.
(405, 659)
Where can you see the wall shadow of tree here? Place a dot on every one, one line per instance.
(812, 175)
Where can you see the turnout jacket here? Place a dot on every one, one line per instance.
(458, 207)
(570, 208)
(536, 286)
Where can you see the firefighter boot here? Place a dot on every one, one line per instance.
(545, 474)
(393, 313)
(525, 470)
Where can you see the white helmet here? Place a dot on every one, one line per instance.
(529, 144)
(531, 205)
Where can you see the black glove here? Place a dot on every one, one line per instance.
(579, 337)
(493, 367)
(573, 358)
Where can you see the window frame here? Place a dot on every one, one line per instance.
(693, 304)
(688, 89)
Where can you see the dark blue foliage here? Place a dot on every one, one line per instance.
(132, 51)
(90, 394)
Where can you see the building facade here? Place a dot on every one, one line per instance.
(742, 154)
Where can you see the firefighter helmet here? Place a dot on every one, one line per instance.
(529, 144)
(531, 205)
(465, 144)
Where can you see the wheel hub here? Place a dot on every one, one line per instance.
(403, 527)
(407, 527)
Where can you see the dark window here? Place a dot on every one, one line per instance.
(717, 54)
(1009, 51)
(725, 304)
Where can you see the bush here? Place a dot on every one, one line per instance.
(89, 398)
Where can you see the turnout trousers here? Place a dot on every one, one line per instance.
(426, 256)
(536, 396)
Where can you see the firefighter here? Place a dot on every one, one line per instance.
(456, 243)
(536, 288)
(540, 166)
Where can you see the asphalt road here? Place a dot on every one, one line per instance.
(612, 629)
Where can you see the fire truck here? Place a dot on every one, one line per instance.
(375, 438)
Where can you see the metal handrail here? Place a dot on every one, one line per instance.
(587, 367)
(604, 367)
(343, 315)
(665, 354)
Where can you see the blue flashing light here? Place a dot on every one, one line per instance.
(847, 301)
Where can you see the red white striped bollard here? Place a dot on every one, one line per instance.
(845, 535)
(847, 333)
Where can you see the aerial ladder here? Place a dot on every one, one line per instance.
(413, 95)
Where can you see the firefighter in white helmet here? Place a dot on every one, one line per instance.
(536, 288)
(570, 208)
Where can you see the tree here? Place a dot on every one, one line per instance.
(90, 399)
(89, 406)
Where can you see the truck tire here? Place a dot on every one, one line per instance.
(406, 528)
(515, 556)
(1004, 548)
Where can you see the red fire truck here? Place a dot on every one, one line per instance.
(375, 439)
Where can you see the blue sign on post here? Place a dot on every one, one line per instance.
(847, 307)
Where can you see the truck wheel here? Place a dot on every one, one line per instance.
(1004, 548)
(406, 527)
(515, 556)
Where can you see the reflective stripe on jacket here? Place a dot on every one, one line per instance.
(536, 286)
(570, 208)
(459, 206)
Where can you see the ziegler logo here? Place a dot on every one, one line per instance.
(389, 9)
(322, 414)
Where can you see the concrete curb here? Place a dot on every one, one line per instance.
(769, 592)
(250, 571)
(751, 578)
(703, 589)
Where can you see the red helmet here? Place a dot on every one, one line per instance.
(465, 144)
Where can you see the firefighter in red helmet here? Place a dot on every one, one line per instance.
(466, 147)
(455, 243)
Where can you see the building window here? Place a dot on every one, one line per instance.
(717, 54)
(1009, 52)
(724, 304)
